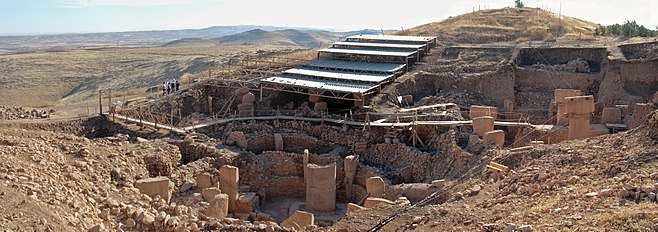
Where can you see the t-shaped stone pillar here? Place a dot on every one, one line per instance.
(479, 111)
(228, 183)
(483, 125)
(560, 95)
(321, 188)
(350, 165)
(579, 112)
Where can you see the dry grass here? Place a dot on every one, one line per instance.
(46, 78)
(507, 25)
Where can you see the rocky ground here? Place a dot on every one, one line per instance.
(53, 181)
(597, 184)
(13, 113)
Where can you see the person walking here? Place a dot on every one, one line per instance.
(177, 86)
(168, 86)
(173, 84)
(164, 88)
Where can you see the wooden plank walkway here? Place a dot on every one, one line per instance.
(325, 120)
(159, 126)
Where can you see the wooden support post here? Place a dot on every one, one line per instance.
(260, 86)
(210, 105)
(407, 64)
(413, 130)
(109, 98)
(100, 102)
(180, 117)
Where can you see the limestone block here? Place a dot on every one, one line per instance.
(248, 98)
(375, 186)
(373, 201)
(559, 98)
(314, 98)
(241, 91)
(203, 180)
(508, 105)
(495, 136)
(561, 94)
(209, 193)
(228, 183)
(406, 174)
(479, 111)
(247, 202)
(439, 183)
(640, 114)
(299, 220)
(351, 208)
(611, 115)
(278, 142)
(321, 188)
(218, 207)
(579, 104)
(246, 113)
(239, 138)
(246, 106)
(483, 125)
(320, 106)
(155, 186)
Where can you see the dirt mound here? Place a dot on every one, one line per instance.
(503, 25)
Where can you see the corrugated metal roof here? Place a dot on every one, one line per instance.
(368, 52)
(382, 45)
(310, 83)
(340, 75)
(393, 38)
(359, 66)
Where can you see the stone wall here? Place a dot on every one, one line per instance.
(595, 57)
(628, 82)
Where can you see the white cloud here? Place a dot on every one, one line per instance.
(87, 3)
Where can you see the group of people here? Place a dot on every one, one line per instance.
(170, 87)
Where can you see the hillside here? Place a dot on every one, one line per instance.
(289, 37)
(43, 78)
(507, 25)
(282, 37)
(113, 39)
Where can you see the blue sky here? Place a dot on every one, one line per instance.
(24, 17)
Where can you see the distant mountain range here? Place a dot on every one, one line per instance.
(244, 34)
(288, 37)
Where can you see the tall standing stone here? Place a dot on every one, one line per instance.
(350, 164)
(278, 142)
(559, 97)
(321, 188)
(579, 112)
(483, 125)
(306, 158)
(228, 183)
